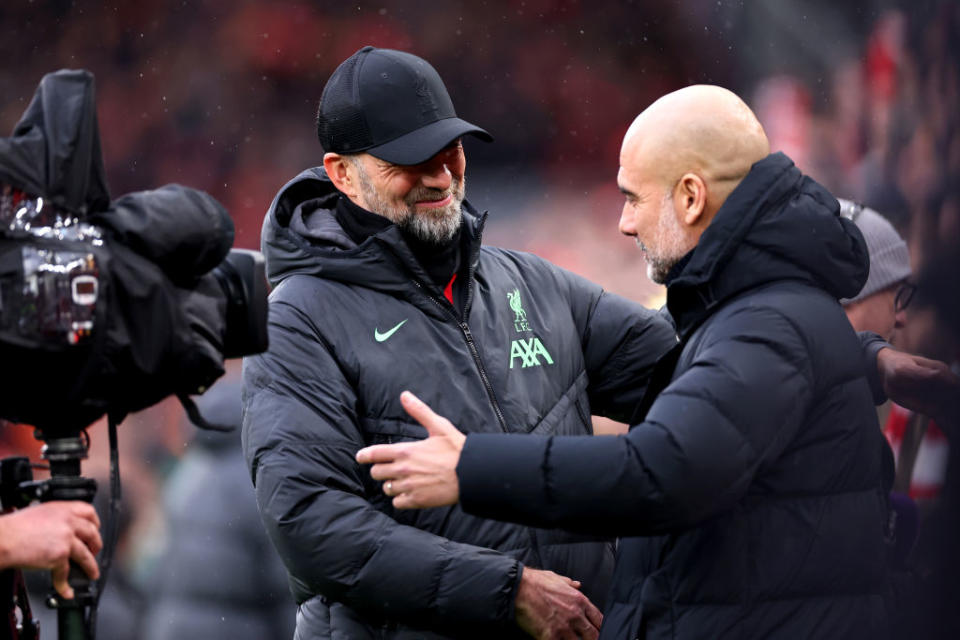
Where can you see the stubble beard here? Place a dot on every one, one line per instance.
(433, 226)
(669, 244)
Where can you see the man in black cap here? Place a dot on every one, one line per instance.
(381, 284)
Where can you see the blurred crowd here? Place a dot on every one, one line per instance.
(221, 95)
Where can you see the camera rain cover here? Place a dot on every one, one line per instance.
(49, 273)
(103, 306)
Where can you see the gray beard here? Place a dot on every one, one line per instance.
(434, 230)
(433, 226)
(670, 245)
(659, 268)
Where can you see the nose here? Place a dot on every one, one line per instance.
(627, 225)
(436, 176)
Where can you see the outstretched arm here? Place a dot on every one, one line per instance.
(693, 456)
(422, 473)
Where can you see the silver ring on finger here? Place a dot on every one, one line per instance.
(388, 487)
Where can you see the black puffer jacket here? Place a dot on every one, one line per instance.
(350, 328)
(756, 475)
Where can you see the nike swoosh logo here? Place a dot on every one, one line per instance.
(380, 337)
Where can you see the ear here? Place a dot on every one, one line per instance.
(340, 173)
(690, 197)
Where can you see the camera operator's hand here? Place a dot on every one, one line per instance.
(48, 536)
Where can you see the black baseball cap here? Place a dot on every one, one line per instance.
(391, 104)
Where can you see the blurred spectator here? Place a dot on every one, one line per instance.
(218, 577)
(123, 602)
(880, 305)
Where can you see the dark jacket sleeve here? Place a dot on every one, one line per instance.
(705, 436)
(871, 344)
(622, 345)
(300, 436)
(622, 341)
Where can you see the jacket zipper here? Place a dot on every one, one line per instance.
(471, 344)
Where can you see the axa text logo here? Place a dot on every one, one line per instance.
(529, 352)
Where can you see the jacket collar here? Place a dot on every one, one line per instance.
(777, 224)
(301, 235)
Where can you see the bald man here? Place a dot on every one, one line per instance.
(750, 499)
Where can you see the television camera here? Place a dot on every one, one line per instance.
(106, 307)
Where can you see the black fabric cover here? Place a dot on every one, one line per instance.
(751, 498)
(54, 150)
(327, 387)
(155, 333)
(183, 231)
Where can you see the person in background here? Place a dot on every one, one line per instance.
(218, 578)
(881, 307)
(881, 304)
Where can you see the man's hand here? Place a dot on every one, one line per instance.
(419, 474)
(48, 536)
(551, 606)
(920, 384)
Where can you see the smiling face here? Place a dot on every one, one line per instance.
(423, 199)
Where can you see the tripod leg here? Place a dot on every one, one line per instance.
(71, 624)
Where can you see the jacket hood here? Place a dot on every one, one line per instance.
(54, 151)
(777, 224)
(301, 235)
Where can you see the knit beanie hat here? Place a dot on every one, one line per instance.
(889, 259)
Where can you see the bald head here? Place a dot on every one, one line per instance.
(679, 161)
(702, 129)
